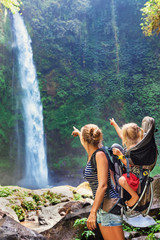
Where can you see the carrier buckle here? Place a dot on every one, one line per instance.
(145, 173)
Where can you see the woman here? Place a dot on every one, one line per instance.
(110, 224)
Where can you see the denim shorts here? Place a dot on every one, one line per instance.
(108, 219)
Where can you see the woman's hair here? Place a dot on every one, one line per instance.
(131, 134)
(92, 134)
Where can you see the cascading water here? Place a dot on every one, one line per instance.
(36, 171)
(115, 33)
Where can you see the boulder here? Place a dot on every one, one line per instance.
(5, 208)
(11, 229)
(49, 216)
(66, 191)
(64, 228)
(84, 190)
(56, 221)
(45, 218)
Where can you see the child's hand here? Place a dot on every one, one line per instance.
(76, 132)
(112, 121)
(117, 152)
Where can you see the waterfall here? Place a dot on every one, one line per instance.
(35, 162)
(115, 33)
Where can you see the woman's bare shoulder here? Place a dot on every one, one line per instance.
(100, 154)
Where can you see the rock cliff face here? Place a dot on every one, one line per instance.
(51, 213)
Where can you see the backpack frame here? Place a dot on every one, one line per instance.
(144, 157)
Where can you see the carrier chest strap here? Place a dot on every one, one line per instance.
(141, 174)
(127, 160)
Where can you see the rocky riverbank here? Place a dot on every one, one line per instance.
(50, 213)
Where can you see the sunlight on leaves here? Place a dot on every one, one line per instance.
(12, 5)
(151, 17)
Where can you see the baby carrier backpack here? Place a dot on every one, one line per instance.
(143, 158)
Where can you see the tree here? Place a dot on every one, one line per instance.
(151, 17)
(13, 5)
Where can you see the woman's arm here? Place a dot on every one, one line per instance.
(117, 128)
(102, 171)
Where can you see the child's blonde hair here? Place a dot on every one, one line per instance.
(131, 134)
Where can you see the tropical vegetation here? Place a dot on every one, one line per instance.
(93, 62)
(151, 17)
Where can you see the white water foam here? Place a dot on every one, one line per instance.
(36, 170)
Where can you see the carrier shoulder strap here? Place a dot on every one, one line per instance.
(93, 158)
(94, 164)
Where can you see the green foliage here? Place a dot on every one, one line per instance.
(78, 47)
(5, 192)
(7, 118)
(129, 228)
(77, 69)
(156, 170)
(12, 200)
(4, 164)
(80, 221)
(21, 194)
(83, 231)
(19, 211)
(29, 205)
(156, 227)
(151, 17)
(151, 236)
(150, 231)
(52, 197)
(87, 234)
(12, 5)
(36, 197)
(77, 196)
